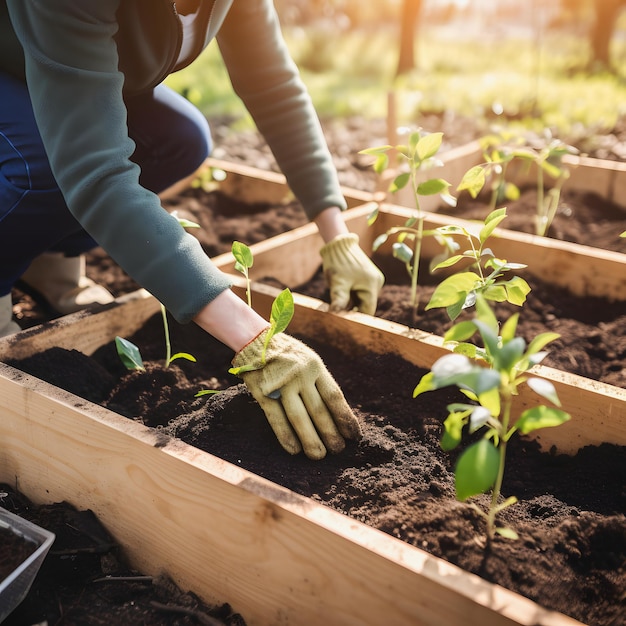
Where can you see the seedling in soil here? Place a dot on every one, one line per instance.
(490, 391)
(419, 155)
(130, 354)
(499, 151)
(243, 262)
(459, 291)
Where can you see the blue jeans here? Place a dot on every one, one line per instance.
(172, 140)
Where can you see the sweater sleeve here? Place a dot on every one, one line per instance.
(72, 74)
(268, 82)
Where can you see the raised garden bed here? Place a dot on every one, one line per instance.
(218, 528)
(274, 554)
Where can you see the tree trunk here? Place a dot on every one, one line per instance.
(408, 23)
(606, 12)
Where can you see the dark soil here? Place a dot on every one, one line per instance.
(84, 579)
(572, 553)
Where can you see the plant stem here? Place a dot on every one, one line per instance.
(417, 249)
(541, 217)
(497, 487)
(168, 347)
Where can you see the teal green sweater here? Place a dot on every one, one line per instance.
(79, 59)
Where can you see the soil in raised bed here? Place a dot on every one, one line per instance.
(592, 330)
(84, 578)
(571, 555)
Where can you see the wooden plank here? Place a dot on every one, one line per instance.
(581, 269)
(252, 185)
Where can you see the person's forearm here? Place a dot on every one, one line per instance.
(230, 320)
(330, 223)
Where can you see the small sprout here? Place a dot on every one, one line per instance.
(282, 312)
(243, 262)
(129, 354)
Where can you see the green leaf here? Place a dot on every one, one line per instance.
(375, 151)
(129, 354)
(402, 252)
(432, 186)
(509, 354)
(371, 218)
(516, 290)
(540, 341)
(428, 145)
(379, 241)
(453, 429)
(282, 311)
(491, 222)
(399, 182)
(507, 533)
(183, 355)
(509, 327)
(243, 254)
(187, 223)
(381, 163)
(476, 469)
(206, 392)
(425, 384)
(473, 181)
(541, 417)
(452, 289)
(545, 389)
(460, 332)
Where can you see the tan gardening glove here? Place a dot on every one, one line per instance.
(350, 273)
(301, 400)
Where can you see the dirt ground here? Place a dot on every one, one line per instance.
(572, 552)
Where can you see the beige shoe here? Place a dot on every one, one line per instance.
(7, 325)
(62, 282)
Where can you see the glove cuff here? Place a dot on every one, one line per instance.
(251, 351)
(340, 246)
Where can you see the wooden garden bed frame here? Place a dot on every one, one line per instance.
(229, 535)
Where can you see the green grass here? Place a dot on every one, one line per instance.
(536, 83)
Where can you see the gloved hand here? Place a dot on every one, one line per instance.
(302, 402)
(349, 271)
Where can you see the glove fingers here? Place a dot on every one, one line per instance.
(300, 420)
(367, 301)
(340, 410)
(280, 424)
(339, 292)
(323, 420)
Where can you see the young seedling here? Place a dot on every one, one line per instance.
(459, 291)
(282, 312)
(243, 262)
(419, 155)
(490, 391)
(130, 354)
(499, 151)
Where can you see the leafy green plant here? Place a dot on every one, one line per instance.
(418, 154)
(483, 276)
(490, 378)
(499, 151)
(129, 353)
